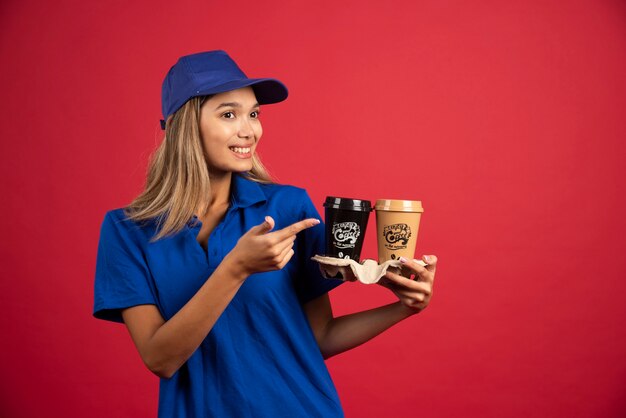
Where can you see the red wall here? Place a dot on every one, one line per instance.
(505, 118)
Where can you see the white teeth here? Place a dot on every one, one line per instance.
(241, 150)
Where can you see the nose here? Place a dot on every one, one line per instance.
(245, 129)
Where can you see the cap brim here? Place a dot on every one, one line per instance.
(266, 90)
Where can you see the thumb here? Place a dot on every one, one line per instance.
(265, 227)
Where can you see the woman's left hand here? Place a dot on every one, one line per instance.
(415, 293)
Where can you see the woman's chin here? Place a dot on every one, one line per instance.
(240, 168)
(236, 166)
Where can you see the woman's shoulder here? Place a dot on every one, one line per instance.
(117, 214)
(119, 220)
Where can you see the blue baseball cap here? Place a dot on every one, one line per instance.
(212, 72)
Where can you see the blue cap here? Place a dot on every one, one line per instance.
(212, 72)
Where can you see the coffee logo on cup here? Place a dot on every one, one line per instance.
(345, 234)
(397, 236)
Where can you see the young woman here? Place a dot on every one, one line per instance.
(209, 268)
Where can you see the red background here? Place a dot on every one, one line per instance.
(505, 118)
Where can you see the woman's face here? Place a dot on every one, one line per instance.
(230, 130)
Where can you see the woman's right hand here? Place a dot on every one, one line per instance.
(260, 250)
(165, 345)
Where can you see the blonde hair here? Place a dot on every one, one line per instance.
(178, 177)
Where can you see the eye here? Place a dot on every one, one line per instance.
(228, 115)
(255, 114)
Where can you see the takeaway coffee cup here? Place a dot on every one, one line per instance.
(397, 223)
(346, 221)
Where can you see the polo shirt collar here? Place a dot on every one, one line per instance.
(245, 192)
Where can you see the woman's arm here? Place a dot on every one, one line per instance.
(336, 335)
(165, 345)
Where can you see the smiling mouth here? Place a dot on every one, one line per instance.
(240, 150)
(243, 153)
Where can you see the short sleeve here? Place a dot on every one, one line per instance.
(311, 284)
(122, 276)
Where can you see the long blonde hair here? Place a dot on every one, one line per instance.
(178, 177)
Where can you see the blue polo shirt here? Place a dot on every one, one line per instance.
(261, 358)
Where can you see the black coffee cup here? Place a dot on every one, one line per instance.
(346, 221)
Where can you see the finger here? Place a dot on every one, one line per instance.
(409, 298)
(402, 283)
(398, 280)
(276, 253)
(411, 295)
(294, 228)
(431, 262)
(423, 292)
(413, 265)
(287, 243)
(423, 275)
(264, 227)
(286, 259)
(281, 256)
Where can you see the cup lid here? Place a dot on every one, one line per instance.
(347, 203)
(399, 205)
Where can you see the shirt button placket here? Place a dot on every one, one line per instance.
(214, 243)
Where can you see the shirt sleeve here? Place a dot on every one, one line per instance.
(311, 241)
(122, 275)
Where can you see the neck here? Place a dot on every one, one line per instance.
(220, 189)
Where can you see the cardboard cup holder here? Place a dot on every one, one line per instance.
(367, 272)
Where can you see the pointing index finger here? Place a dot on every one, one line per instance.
(294, 228)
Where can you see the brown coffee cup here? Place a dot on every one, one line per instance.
(397, 224)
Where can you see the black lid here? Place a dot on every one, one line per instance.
(346, 203)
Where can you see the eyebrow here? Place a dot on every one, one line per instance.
(233, 104)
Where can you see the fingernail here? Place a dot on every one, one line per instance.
(403, 260)
(267, 219)
(426, 258)
(316, 221)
